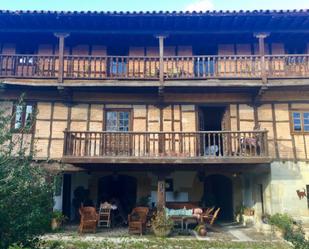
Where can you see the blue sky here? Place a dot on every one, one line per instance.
(131, 5)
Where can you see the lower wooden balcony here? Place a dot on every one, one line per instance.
(211, 147)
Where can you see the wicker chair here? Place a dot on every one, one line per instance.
(137, 220)
(88, 219)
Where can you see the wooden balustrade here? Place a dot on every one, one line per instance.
(204, 67)
(287, 66)
(210, 144)
(147, 67)
(29, 66)
(111, 67)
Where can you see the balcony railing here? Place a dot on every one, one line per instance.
(148, 68)
(161, 145)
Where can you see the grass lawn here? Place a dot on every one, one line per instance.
(172, 243)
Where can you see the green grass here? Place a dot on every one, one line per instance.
(155, 243)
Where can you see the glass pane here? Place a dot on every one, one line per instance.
(123, 121)
(297, 127)
(111, 121)
(28, 116)
(296, 115)
(306, 128)
(306, 115)
(297, 121)
(18, 117)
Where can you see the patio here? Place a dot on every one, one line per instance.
(223, 235)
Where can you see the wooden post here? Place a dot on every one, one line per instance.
(161, 90)
(261, 37)
(61, 37)
(161, 196)
(161, 65)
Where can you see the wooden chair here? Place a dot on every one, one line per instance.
(105, 215)
(137, 220)
(208, 211)
(210, 219)
(88, 219)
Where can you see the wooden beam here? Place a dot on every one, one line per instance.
(164, 161)
(180, 31)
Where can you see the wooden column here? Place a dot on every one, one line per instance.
(161, 90)
(261, 37)
(161, 196)
(161, 64)
(61, 37)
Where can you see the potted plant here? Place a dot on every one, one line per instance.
(161, 224)
(57, 220)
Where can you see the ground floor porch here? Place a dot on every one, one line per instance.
(229, 188)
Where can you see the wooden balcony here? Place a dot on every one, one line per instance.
(148, 68)
(211, 147)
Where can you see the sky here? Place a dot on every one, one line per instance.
(144, 5)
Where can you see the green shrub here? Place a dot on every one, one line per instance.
(59, 216)
(292, 231)
(26, 197)
(15, 246)
(282, 221)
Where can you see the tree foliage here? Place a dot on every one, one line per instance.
(25, 192)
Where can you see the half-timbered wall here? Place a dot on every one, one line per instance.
(274, 117)
(53, 118)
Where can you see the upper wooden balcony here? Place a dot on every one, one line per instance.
(211, 147)
(148, 68)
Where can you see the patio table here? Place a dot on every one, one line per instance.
(183, 219)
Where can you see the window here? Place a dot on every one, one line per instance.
(204, 67)
(300, 121)
(118, 120)
(23, 118)
(118, 66)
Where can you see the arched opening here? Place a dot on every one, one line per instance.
(118, 187)
(218, 192)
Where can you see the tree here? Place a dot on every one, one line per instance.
(26, 189)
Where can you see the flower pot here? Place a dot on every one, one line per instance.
(162, 231)
(202, 232)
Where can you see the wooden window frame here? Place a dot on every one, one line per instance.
(301, 111)
(23, 118)
(119, 110)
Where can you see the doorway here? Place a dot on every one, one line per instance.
(218, 192)
(119, 188)
(212, 119)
